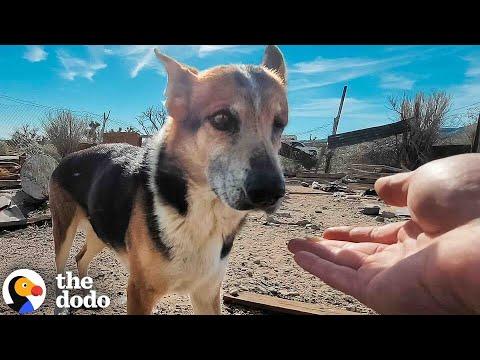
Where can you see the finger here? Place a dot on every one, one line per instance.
(393, 189)
(339, 277)
(366, 248)
(337, 255)
(386, 234)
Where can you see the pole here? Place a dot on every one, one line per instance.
(336, 120)
(477, 136)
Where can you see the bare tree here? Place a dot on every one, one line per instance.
(24, 137)
(152, 119)
(425, 116)
(65, 131)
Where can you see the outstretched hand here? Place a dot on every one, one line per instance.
(427, 265)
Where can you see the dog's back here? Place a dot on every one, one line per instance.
(103, 181)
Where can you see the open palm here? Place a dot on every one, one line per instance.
(424, 265)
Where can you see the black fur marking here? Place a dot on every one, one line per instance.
(104, 181)
(228, 240)
(170, 182)
(152, 220)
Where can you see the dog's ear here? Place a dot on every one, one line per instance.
(274, 60)
(180, 81)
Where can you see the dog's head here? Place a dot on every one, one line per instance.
(225, 128)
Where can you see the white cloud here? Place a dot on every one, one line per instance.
(142, 57)
(393, 81)
(35, 53)
(77, 67)
(473, 70)
(322, 72)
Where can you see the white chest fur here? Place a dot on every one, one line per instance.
(196, 239)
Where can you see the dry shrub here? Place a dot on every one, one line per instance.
(65, 131)
(426, 115)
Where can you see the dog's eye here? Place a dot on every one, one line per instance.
(224, 120)
(278, 124)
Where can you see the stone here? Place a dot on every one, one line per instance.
(318, 211)
(388, 214)
(234, 292)
(257, 261)
(370, 209)
(316, 185)
(380, 219)
(303, 222)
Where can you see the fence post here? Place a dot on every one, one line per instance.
(329, 155)
(476, 138)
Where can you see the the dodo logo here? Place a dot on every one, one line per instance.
(24, 291)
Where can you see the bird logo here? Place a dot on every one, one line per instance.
(24, 291)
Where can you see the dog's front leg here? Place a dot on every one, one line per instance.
(140, 299)
(206, 299)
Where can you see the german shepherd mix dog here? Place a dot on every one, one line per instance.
(171, 210)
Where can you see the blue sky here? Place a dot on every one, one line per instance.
(127, 79)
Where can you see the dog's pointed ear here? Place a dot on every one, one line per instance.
(180, 81)
(274, 60)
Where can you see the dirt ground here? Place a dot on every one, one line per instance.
(259, 261)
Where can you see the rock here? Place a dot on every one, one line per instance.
(325, 208)
(380, 219)
(303, 222)
(250, 273)
(244, 288)
(370, 192)
(272, 220)
(315, 185)
(288, 293)
(35, 175)
(370, 209)
(312, 227)
(261, 288)
(284, 215)
(304, 184)
(257, 261)
(388, 214)
(234, 292)
(318, 211)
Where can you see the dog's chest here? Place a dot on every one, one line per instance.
(196, 241)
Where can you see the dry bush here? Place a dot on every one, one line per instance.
(4, 148)
(65, 131)
(426, 115)
(152, 119)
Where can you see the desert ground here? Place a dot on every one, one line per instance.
(259, 261)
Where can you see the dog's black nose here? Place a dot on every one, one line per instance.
(263, 189)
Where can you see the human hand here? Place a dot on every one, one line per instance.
(427, 265)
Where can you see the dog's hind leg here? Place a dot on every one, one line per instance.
(65, 219)
(92, 247)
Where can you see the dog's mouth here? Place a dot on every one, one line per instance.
(243, 203)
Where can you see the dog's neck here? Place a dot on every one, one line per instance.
(175, 187)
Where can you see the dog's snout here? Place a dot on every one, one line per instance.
(264, 184)
(263, 189)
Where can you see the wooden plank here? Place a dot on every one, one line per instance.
(39, 218)
(285, 306)
(373, 133)
(10, 184)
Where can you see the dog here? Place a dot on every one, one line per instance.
(171, 210)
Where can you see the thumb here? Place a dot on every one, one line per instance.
(394, 189)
